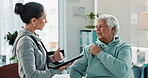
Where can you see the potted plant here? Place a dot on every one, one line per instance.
(90, 19)
(10, 38)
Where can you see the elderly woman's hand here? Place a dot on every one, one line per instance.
(95, 49)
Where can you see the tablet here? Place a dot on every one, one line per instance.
(65, 63)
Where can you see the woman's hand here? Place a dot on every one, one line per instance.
(57, 56)
(94, 49)
(63, 67)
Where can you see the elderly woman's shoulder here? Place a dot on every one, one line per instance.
(123, 44)
(86, 48)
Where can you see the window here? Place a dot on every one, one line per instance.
(139, 55)
(9, 22)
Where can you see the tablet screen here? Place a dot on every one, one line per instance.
(65, 63)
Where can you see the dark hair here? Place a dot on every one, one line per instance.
(28, 11)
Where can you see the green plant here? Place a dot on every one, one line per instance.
(91, 17)
(10, 37)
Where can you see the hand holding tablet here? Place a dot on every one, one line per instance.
(65, 63)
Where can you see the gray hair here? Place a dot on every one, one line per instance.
(110, 21)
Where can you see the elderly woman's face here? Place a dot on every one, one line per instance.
(104, 32)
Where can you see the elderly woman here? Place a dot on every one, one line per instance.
(108, 57)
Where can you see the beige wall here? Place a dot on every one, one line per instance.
(74, 24)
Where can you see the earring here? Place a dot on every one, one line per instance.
(33, 25)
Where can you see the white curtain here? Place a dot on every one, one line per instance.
(9, 22)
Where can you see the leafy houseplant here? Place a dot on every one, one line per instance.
(10, 38)
(91, 17)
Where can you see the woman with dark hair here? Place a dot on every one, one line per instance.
(30, 52)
